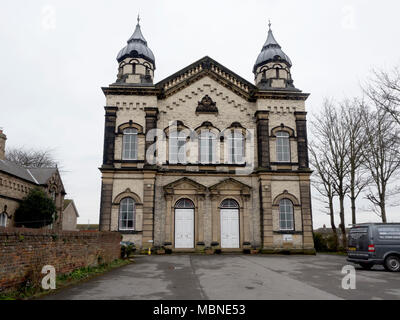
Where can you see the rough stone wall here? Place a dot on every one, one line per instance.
(24, 252)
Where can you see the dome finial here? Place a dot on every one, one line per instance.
(269, 24)
(138, 18)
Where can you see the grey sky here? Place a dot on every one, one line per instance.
(55, 56)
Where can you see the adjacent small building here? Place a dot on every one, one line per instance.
(16, 181)
(70, 216)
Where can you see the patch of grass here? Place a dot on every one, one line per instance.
(82, 274)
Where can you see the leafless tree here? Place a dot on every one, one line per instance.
(384, 90)
(32, 158)
(332, 139)
(322, 182)
(382, 160)
(352, 112)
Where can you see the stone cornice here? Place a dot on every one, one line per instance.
(196, 71)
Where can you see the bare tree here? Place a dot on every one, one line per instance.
(352, 112)
(331, 138)
(382, 160)
(384, 90)
(322, 181)
(32, 158)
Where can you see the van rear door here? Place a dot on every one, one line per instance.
(358, 242)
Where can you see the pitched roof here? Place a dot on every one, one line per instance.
(37, 176)
(201, 68)
(68, 202)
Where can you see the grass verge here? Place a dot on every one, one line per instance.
(64, 280)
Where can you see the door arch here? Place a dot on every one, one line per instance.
(184, 224)
(230, 235)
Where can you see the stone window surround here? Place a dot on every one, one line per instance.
(296, 211)
(138, 212)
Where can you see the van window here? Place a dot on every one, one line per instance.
(357, 233)
(389, 233)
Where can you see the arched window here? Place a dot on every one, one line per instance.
(127, 213)
(130, 144)
(184, 204)
(177, 147)
(207, 147)
(236, 147)
(286, 218)
(282, 146)
(3, 220)
(229, 204)
(134, 68)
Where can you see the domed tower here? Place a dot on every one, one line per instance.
(272, 68)
(136, 60)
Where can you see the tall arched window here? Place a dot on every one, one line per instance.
(3, 220)
(130, 144)
(177, 147)
(229, 204)
(286, 217)
(127, 213)
(282, 146)
(184, 204)
(236, 147)
(207, 149)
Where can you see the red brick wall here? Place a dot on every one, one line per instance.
(24, 252)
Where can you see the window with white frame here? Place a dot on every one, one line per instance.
(286, 217)
(130, 144)
(282, 147)
(3, 220)
(207, 149)
(177, 147)
(236, 148)
(127, 212)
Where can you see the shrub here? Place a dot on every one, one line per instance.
(36, 210)
(320, 242)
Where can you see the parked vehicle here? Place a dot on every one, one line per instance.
(375, 243)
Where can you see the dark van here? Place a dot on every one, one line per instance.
(375, 243)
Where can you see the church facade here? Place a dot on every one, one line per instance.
(204, 158)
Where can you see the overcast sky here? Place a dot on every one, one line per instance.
(56, 55)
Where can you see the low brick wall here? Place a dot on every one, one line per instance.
(24, 252)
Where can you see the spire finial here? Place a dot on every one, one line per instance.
(269, 24)
(138, 18)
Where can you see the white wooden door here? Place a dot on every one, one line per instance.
(230, 228)
(184, 228)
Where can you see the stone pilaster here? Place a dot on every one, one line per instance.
(306, 213)
(149, 179)
(302, 144)
(109, 136)
(267, 235)
(263, 139)
(106, 203)
(151, 123)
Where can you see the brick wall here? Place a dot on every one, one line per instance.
(24, 252)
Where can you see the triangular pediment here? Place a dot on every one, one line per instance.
(230, 184)
(184, 184)
(207, 67)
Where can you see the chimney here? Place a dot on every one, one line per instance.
(3, 139)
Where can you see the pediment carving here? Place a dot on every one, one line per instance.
(206, 105)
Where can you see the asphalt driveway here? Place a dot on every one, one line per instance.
(235, 277)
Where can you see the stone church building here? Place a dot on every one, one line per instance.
(204, 158)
